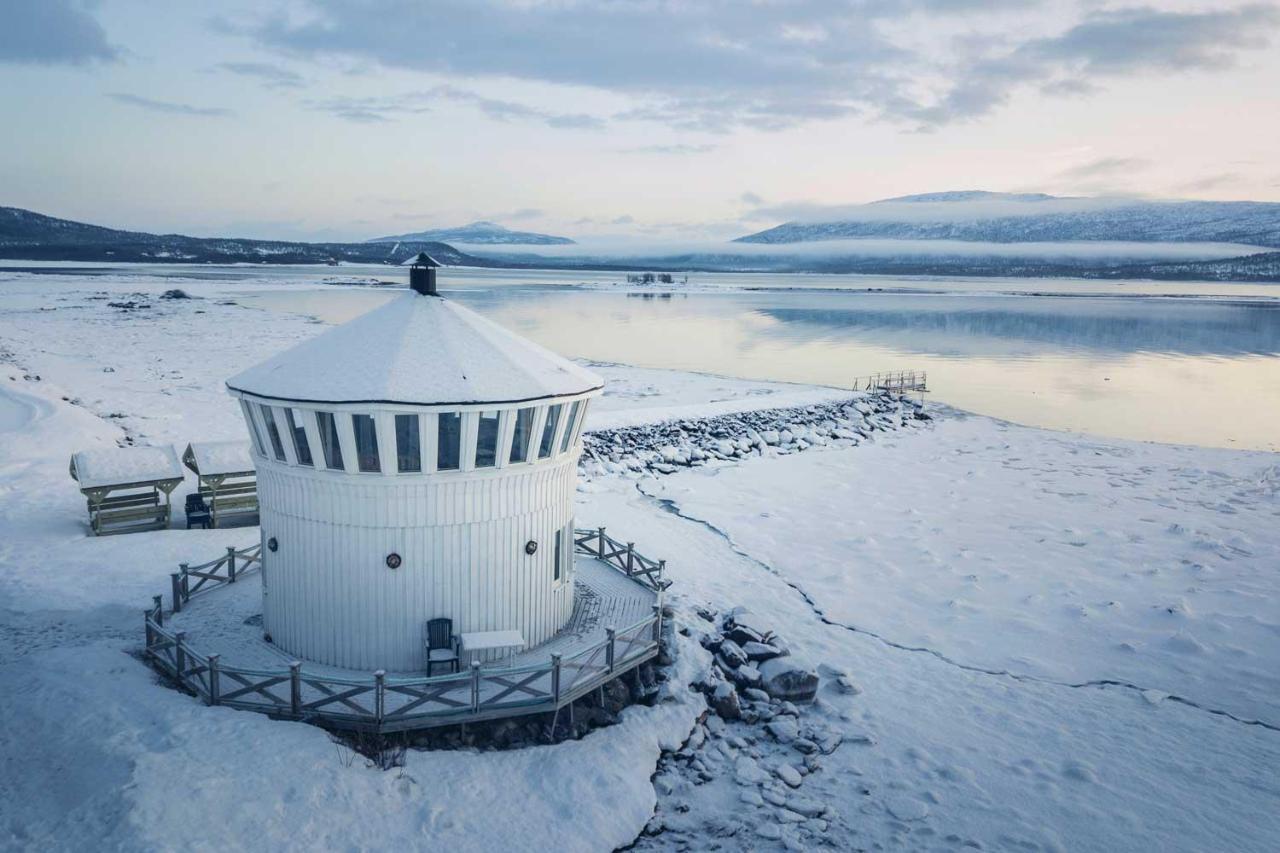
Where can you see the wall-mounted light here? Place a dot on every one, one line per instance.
(531, 547)
(393, 561)
(273, 545)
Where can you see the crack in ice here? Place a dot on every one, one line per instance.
(671, 506)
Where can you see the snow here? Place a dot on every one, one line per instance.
(221, 457)
(1051, 642)
(117, 466)
(416, 349)
(1050, 556)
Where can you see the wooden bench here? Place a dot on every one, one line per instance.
(128, 512)
(231, 501)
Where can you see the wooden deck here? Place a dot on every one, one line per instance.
(602, 598)
(615, 626)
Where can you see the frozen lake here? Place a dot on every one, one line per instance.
(1183, 362)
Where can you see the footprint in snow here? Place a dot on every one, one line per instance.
(905, 807)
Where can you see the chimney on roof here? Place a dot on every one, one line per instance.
(422, 275)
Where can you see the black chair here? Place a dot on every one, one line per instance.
(197, 511)
(442, 644)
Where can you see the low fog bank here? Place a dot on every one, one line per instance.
(613, 250)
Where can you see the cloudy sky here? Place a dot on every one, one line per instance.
(347, 119)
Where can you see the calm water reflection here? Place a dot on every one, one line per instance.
(1194, 371)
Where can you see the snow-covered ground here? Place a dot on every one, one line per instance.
(982, 582)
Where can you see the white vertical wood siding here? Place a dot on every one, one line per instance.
(329, 596)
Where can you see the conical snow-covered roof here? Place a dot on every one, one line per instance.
(416, 349)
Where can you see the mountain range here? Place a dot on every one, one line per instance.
(26, 235)
(33, 236)
(977, 216)
(481, 234)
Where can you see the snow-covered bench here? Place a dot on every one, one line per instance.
(124, 486)
(228, 480)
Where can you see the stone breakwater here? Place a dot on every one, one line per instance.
(753, 773)
(666, 447)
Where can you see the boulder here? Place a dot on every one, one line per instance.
(783, 729)
(732, 653)
(747, 772)
(761, 651)
(742, 634)
(790, 775)
(746, 676)
(724, 701)
(789, 679)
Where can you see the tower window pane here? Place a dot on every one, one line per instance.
(272, 431)
(559, 555)
(253, 428)
(521, 435)
(549, 431)
(329, 440)
(301, 448)
(366, 443)
(570, 425)
(408, 447)
(449, 441)
(487, 440)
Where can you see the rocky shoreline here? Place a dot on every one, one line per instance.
(666, 447)
(762, 742)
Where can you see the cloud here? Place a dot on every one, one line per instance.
(969, 208)
(52, 32)
(1104, 168)
(704, 66)
(271, 76)
(168, 107)
(365, 110)
(751, 198)
(501, 110)
(676, 148)
(1106, 45)
(695, 65)
(372, 109)
(524, 214)
(1209, 182)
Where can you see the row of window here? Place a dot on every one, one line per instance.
(499, 437)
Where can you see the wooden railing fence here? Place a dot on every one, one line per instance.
(225, 569)
(383, 704)
(623, 557)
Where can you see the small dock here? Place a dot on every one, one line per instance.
(899, 382)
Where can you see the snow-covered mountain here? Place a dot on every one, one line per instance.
(480, 233)
(27, 235)
(974, 215)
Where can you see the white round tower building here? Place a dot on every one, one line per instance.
(417, 462)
